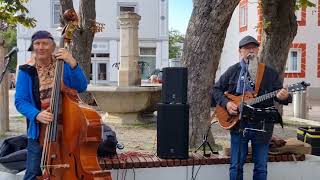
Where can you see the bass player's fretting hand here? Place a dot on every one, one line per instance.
(66, 56)
(232, 108)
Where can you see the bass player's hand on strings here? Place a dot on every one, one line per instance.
(65, 55)
(232, 108)
(44, 117)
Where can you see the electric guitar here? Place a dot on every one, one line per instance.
(227, 121)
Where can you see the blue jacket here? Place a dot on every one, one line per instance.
(27, 97)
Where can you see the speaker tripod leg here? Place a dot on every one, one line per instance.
(213, 152)
(201, 145)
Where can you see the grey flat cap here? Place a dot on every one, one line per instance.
(247, 40)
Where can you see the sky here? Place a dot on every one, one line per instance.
(179, 14)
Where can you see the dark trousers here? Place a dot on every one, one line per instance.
(259, 155)
(33, 160)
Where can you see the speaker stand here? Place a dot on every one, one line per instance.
(205, 143)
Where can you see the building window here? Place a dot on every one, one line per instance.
(301, 16)
(55, 13)
(243, 15)
(102, 71)
(319, 13)
(298, 14)
(100, 67)
(147, 62)
(294, 61)
(91, 71)
(319, 60)
(127, 9)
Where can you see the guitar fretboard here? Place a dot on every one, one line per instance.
(291, 89)
(262, 98)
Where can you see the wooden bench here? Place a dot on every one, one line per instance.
(131, 160)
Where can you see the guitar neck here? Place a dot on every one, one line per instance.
(262, 98)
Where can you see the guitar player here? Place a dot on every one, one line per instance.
(233, 81)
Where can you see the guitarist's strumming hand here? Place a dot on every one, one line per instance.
(232, 108)
(283, 93)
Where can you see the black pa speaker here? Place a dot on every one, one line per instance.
(174, 85)
(172, 131)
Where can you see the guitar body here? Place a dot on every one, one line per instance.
(226, 120)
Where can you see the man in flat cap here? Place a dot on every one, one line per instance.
(34, 87)
(244, 77)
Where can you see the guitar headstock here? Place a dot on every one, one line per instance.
(301, 86)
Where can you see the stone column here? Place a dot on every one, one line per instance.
(129, 73)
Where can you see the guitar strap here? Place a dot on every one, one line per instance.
(260, 72)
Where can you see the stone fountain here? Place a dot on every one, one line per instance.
(126, 102)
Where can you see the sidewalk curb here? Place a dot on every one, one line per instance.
(298, 121)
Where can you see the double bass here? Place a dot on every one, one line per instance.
(71, 140)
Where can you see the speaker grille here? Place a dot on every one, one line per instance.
(173, 131)
(174, 86)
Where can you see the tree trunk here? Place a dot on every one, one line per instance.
(4, 93)
(83, 38)
(279, 29)
(201, 54)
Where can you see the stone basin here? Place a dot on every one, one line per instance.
(126, 104)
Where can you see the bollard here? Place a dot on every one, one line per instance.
(299, 105)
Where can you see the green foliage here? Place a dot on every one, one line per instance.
(10, 37)
(304, 3)
(175, 37)
(13, 12)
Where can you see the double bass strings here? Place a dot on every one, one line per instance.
(53, 108)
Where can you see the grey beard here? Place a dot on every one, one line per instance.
(252, 69)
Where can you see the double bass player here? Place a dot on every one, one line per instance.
(34, 87)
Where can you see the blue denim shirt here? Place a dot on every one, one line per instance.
(26, 96)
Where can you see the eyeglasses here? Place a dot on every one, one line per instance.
(250, 47)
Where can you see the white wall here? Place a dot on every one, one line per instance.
(309, 34)
(230, 52)
(306, 34)
(300, 170)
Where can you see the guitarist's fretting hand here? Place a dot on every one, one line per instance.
(232, 108)
(283, 93)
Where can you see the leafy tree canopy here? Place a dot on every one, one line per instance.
(304, 3)
(10, 37)
(13, 12)
(175, 37)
